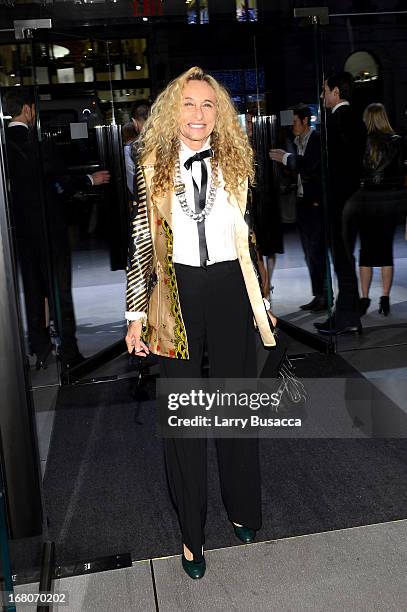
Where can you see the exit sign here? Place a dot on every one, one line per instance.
(147, 8)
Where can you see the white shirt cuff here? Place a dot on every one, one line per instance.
(285, 157)
(135, 316)
(90, 177)
(266, 304)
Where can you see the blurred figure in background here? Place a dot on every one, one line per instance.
(306, 161)
(373, 210)
(346, 143)
(139, 115)
(265, 205)
(129, 135)
(39, 188)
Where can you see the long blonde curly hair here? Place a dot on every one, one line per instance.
(232, 152)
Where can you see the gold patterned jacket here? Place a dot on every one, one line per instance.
(151, 282)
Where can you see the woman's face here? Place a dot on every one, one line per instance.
(198, 114)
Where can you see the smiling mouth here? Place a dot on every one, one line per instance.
(197, 125)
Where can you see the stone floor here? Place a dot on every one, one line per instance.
(360, 569)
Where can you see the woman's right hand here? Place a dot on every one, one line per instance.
(272, 318)
(133, 339)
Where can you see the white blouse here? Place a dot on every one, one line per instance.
(219, 224)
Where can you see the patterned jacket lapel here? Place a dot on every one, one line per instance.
(164, 204)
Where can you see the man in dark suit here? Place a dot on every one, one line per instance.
(36, 206)
(307, 163)
(346, 144)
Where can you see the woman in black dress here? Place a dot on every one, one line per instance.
(373, 211)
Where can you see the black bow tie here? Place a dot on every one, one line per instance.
(198, 157)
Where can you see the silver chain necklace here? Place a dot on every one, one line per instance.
(179, 189)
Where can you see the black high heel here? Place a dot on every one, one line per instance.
(384, 305)
(364, 304)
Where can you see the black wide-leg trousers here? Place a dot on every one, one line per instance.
(217, 316)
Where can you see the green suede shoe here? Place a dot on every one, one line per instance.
(245, 534)
(194, 569)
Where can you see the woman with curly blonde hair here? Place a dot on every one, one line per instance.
(229, 143)
(193, 286)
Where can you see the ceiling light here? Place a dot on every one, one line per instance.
(59, 51)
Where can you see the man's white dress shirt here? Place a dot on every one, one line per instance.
(301, 144)
(344, 103)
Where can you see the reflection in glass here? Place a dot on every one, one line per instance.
(92, 217)
(76, 61)
(373, 211)
(15, 65)
(246, 90)
(197, 11)
(134, 58)
(123, 100)
(246, 10)
(362, 66)
(91, 225)
(378, 44)
(39, 183)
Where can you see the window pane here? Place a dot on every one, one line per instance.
(246, 10)
(15, 65)
(134, 58)
(74, 61)
(123, 100)
(197, 11)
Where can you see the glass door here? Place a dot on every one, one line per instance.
(83, 91)
(368, 46)
(67, 107)
(290, 197)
